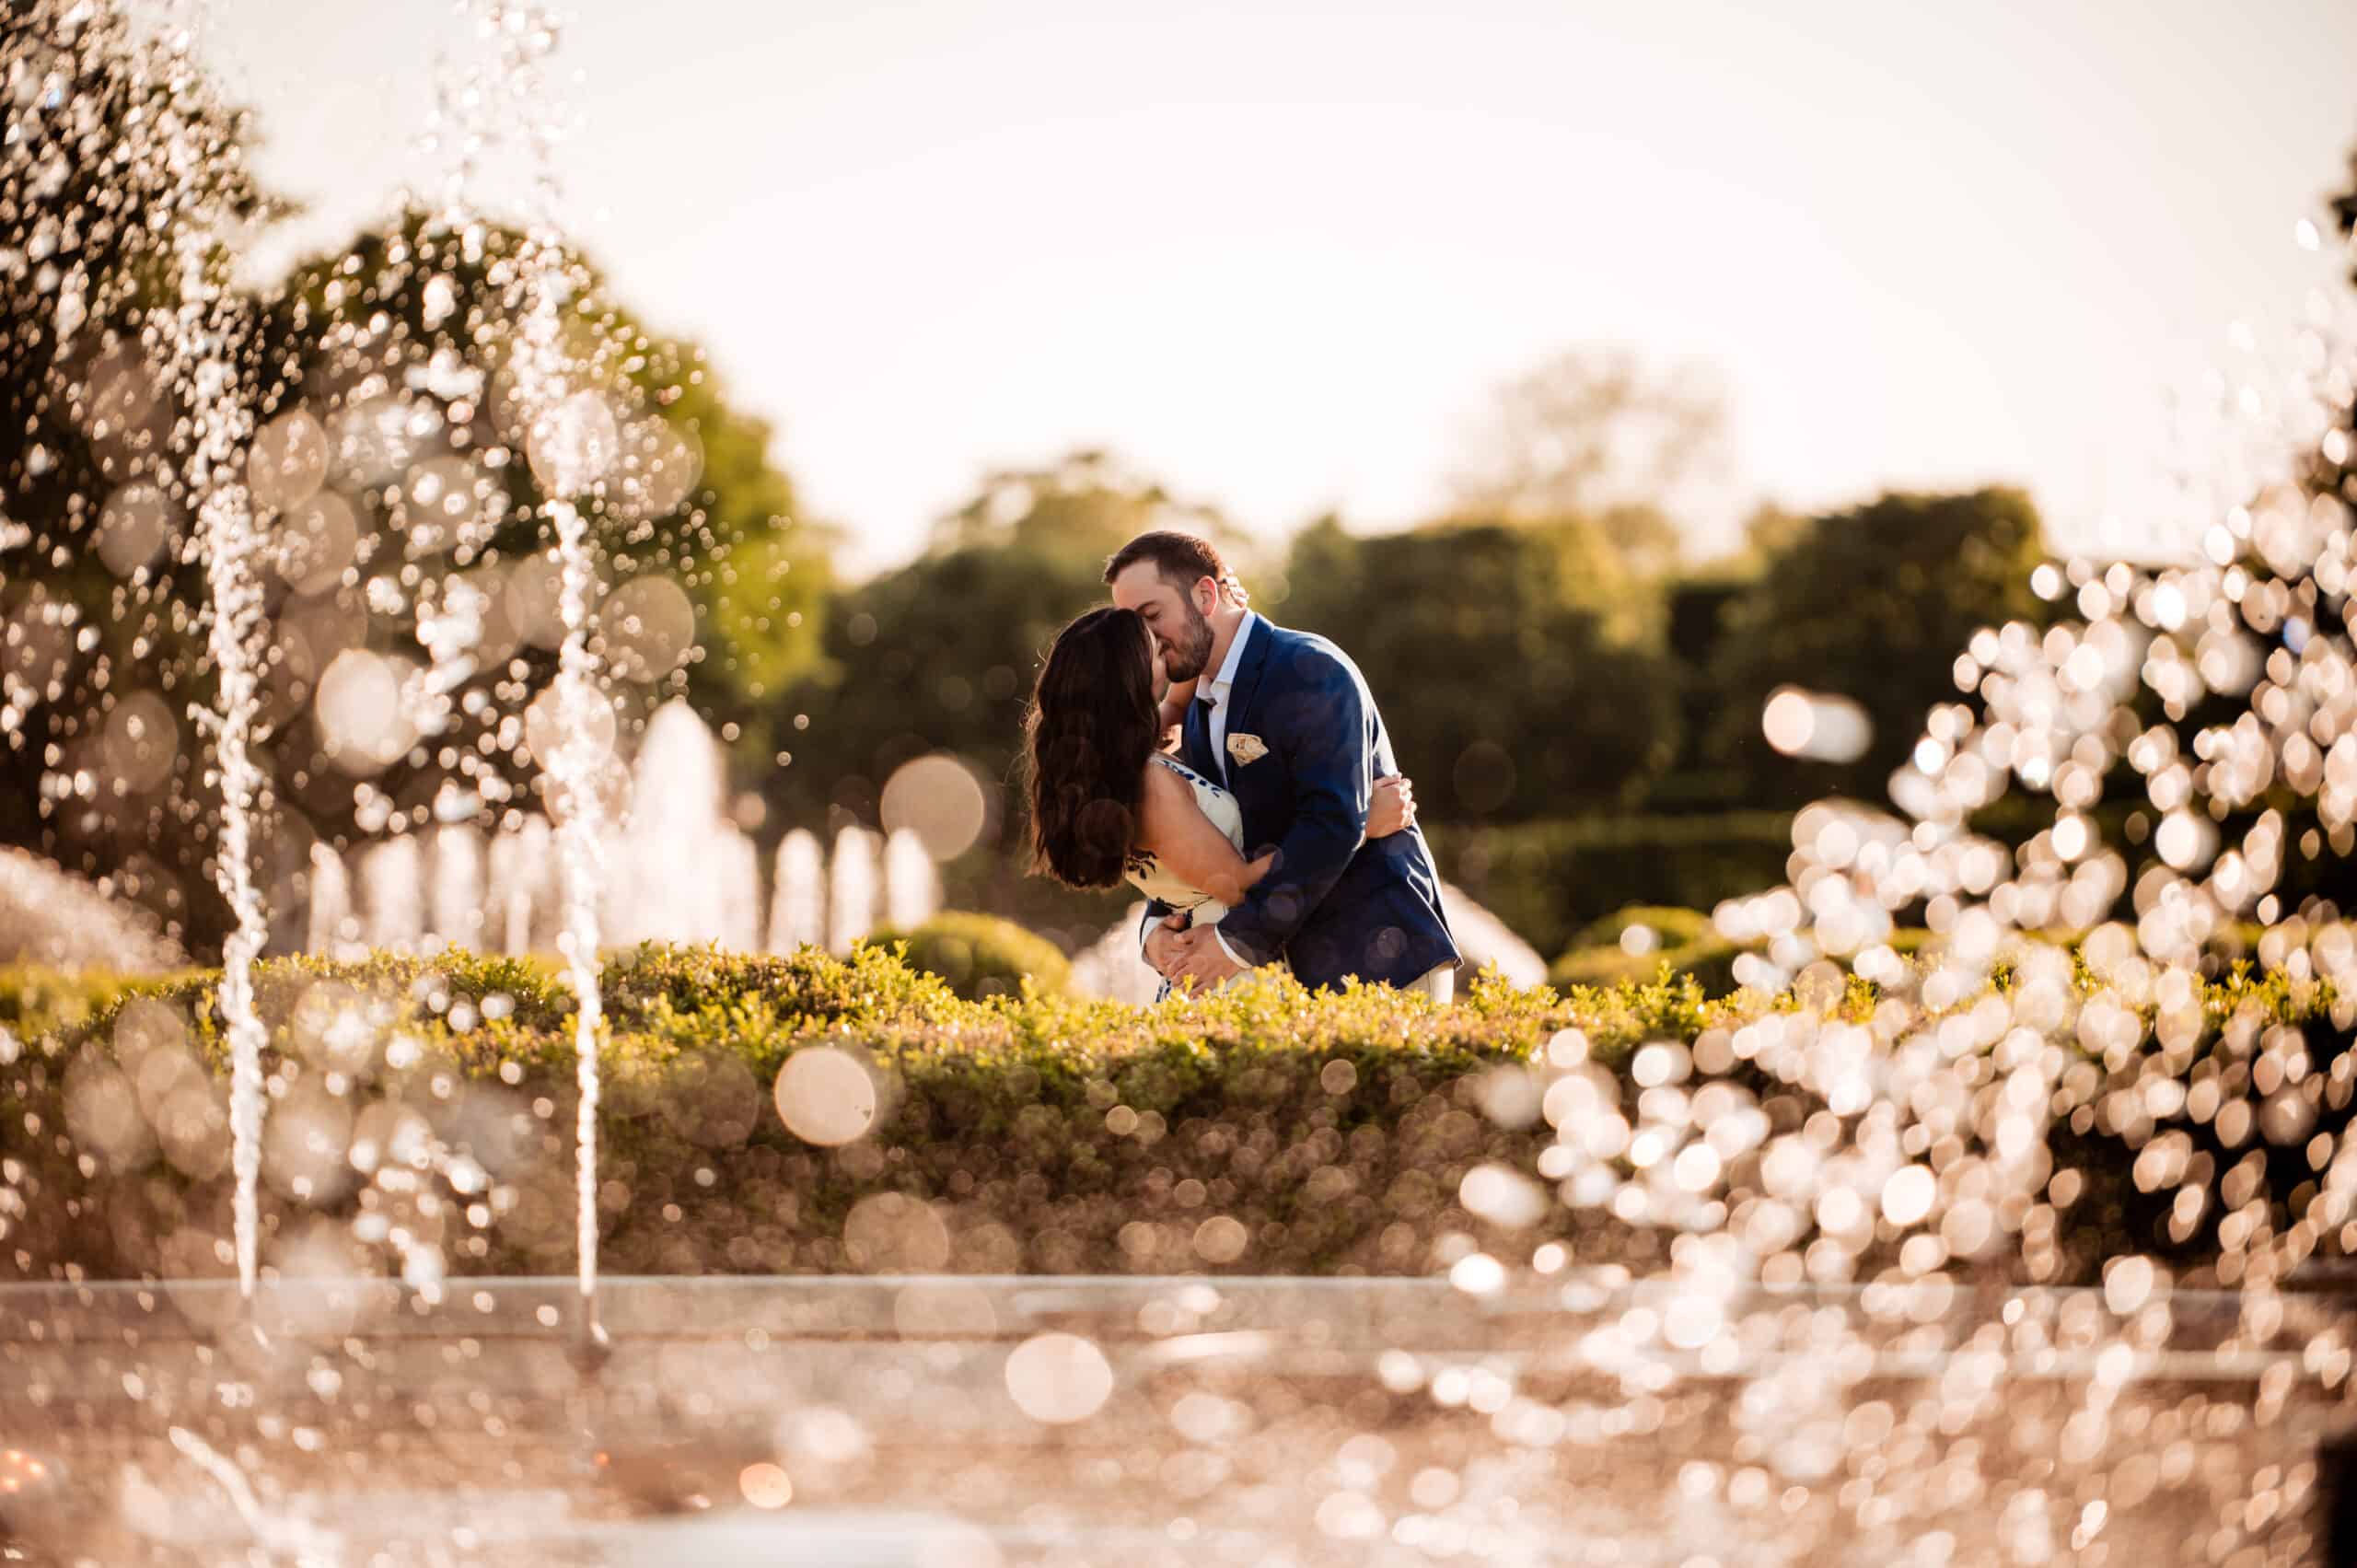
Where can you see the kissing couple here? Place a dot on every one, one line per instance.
(1278, 744)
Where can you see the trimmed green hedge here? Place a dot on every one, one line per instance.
(1263, 1131)
(981, 956)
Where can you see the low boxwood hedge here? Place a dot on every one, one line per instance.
(425, 1107)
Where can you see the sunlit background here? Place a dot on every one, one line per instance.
(1279, 254)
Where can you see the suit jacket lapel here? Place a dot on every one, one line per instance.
(1240, 699)
(1247, 675)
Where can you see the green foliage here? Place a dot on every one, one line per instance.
(1671, 926)
(1683, 942)
(997, 879)
(981, 956)
(1710, 963)
(940, 655)
(1503, 693)
(1873, 604)
(35, 1001)
(1687, 945)
(1083, 508)
(1043, 1133)
(1709, 960)
(1694, 616)
(1549, 879)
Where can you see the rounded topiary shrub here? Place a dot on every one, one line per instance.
(1671, 926)
(981, 954)
(1710, 960)
(1683, 938)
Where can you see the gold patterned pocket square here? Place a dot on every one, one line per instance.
(1246, 748)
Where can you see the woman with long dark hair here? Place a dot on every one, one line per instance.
(1107, 802)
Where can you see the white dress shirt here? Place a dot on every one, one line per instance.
(1216, 692)
(1219, 688)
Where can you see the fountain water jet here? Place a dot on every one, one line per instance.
(201, 333)
(911, 884)
(456, 894)
(798, 897)
(441, 887)
(675, 820)
(330, 892)
(570, 443)
(392, 880)
(851, 888)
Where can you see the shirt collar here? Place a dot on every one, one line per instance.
(1224, 681)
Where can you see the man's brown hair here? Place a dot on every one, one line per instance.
(1180, 559)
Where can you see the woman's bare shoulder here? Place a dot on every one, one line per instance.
(1164, 780)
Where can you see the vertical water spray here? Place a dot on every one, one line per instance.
(578, 840)
(572, 441)
(200, 334)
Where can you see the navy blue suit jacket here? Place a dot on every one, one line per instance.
(1336, 903)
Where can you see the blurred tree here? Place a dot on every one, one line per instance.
(1768, 532)
(1504, 697)
(940, 655)
(1695, 611)
(1597, 434)
(399, 522)
(1590, 569)
(1873, 604)
(1086, 505)
(710, 588)
(115, 151)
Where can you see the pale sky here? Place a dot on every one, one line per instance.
(1276, 252)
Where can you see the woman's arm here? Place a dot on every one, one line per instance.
(1177, 833)
(1174, 705)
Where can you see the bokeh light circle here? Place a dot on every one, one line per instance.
(1059, 1378)
(826, 1096)
(574, 444)
(141, 742)
(317, 540)
(554, 724)
(649, 626)
(135, 525)
(765, 1485)
(938, 798)
(362, 719)
(288, 460)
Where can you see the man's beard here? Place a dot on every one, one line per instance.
(1184, 661)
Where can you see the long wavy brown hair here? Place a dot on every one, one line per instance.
(1094, 722)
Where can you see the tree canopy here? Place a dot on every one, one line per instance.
(1873, 604)
(1504, 696)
